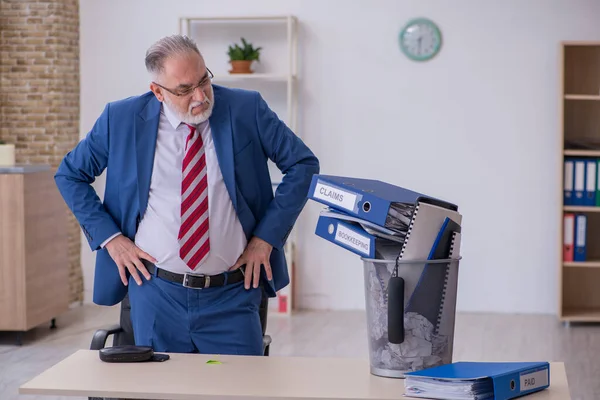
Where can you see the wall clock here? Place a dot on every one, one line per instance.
(420, 39)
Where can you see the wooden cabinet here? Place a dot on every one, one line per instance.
(579, 277)
(34, 268)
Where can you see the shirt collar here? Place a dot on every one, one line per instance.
(171, 116)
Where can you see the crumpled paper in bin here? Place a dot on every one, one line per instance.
(422, 347)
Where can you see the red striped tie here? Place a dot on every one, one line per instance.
(193, 234)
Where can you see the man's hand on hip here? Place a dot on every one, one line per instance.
(127, 255)
(257, 253)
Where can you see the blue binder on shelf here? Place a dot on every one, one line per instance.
(591, 178)
(375, 201)
(476, 380)
(569, 177)
(580, 253)
(579, 182)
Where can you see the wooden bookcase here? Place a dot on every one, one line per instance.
(579, 277)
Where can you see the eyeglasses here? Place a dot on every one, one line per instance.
(179, 93)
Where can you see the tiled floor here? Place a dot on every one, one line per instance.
(340, 334)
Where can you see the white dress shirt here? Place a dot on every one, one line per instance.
(159, 227)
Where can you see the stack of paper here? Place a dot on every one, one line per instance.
(457, 389)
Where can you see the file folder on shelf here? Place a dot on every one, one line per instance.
(579, 183)
(569, 237)
(590, 183)
(597, 204)
(580, 251)
(569, 175)
(478, 380)
(375, 201)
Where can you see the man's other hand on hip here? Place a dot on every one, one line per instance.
(128, 256)
(257, 253)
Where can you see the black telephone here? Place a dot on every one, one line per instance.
(125, 354)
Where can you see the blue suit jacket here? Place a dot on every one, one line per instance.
(246, 133)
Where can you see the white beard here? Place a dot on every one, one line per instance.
(188, 117)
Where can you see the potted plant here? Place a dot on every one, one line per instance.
(7, 154)
(241, 57)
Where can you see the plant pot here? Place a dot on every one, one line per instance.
(7, 155)
(240, 67)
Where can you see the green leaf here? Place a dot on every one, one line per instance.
(245, 52)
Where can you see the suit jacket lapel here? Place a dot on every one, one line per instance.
(146, 131)
(220, 125)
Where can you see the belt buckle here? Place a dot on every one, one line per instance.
(186, 277)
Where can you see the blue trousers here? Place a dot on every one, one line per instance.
(218, 320)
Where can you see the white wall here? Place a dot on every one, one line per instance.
(485, 112)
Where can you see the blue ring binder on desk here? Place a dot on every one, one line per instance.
(479, 380)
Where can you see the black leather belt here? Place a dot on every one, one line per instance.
(196, 281)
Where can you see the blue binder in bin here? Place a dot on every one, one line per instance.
(347, 235)
(375, 201)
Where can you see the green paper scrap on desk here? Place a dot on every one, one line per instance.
(214, 362)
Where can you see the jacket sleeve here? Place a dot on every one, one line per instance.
(74, 176)
(297, 163)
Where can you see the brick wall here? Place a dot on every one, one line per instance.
(39, 91)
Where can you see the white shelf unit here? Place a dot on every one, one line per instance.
(275, 76)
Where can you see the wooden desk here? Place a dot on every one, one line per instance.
(187, 376)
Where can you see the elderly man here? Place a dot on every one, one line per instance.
(189, 227)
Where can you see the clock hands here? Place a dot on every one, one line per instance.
(420, 39)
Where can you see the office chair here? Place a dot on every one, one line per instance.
(123, 332)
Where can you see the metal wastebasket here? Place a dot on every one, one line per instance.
(412, 326)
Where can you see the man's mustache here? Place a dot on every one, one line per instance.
(199, 103)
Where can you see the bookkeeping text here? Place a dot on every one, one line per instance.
(353, 239)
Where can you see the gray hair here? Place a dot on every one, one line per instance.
(165, 48)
